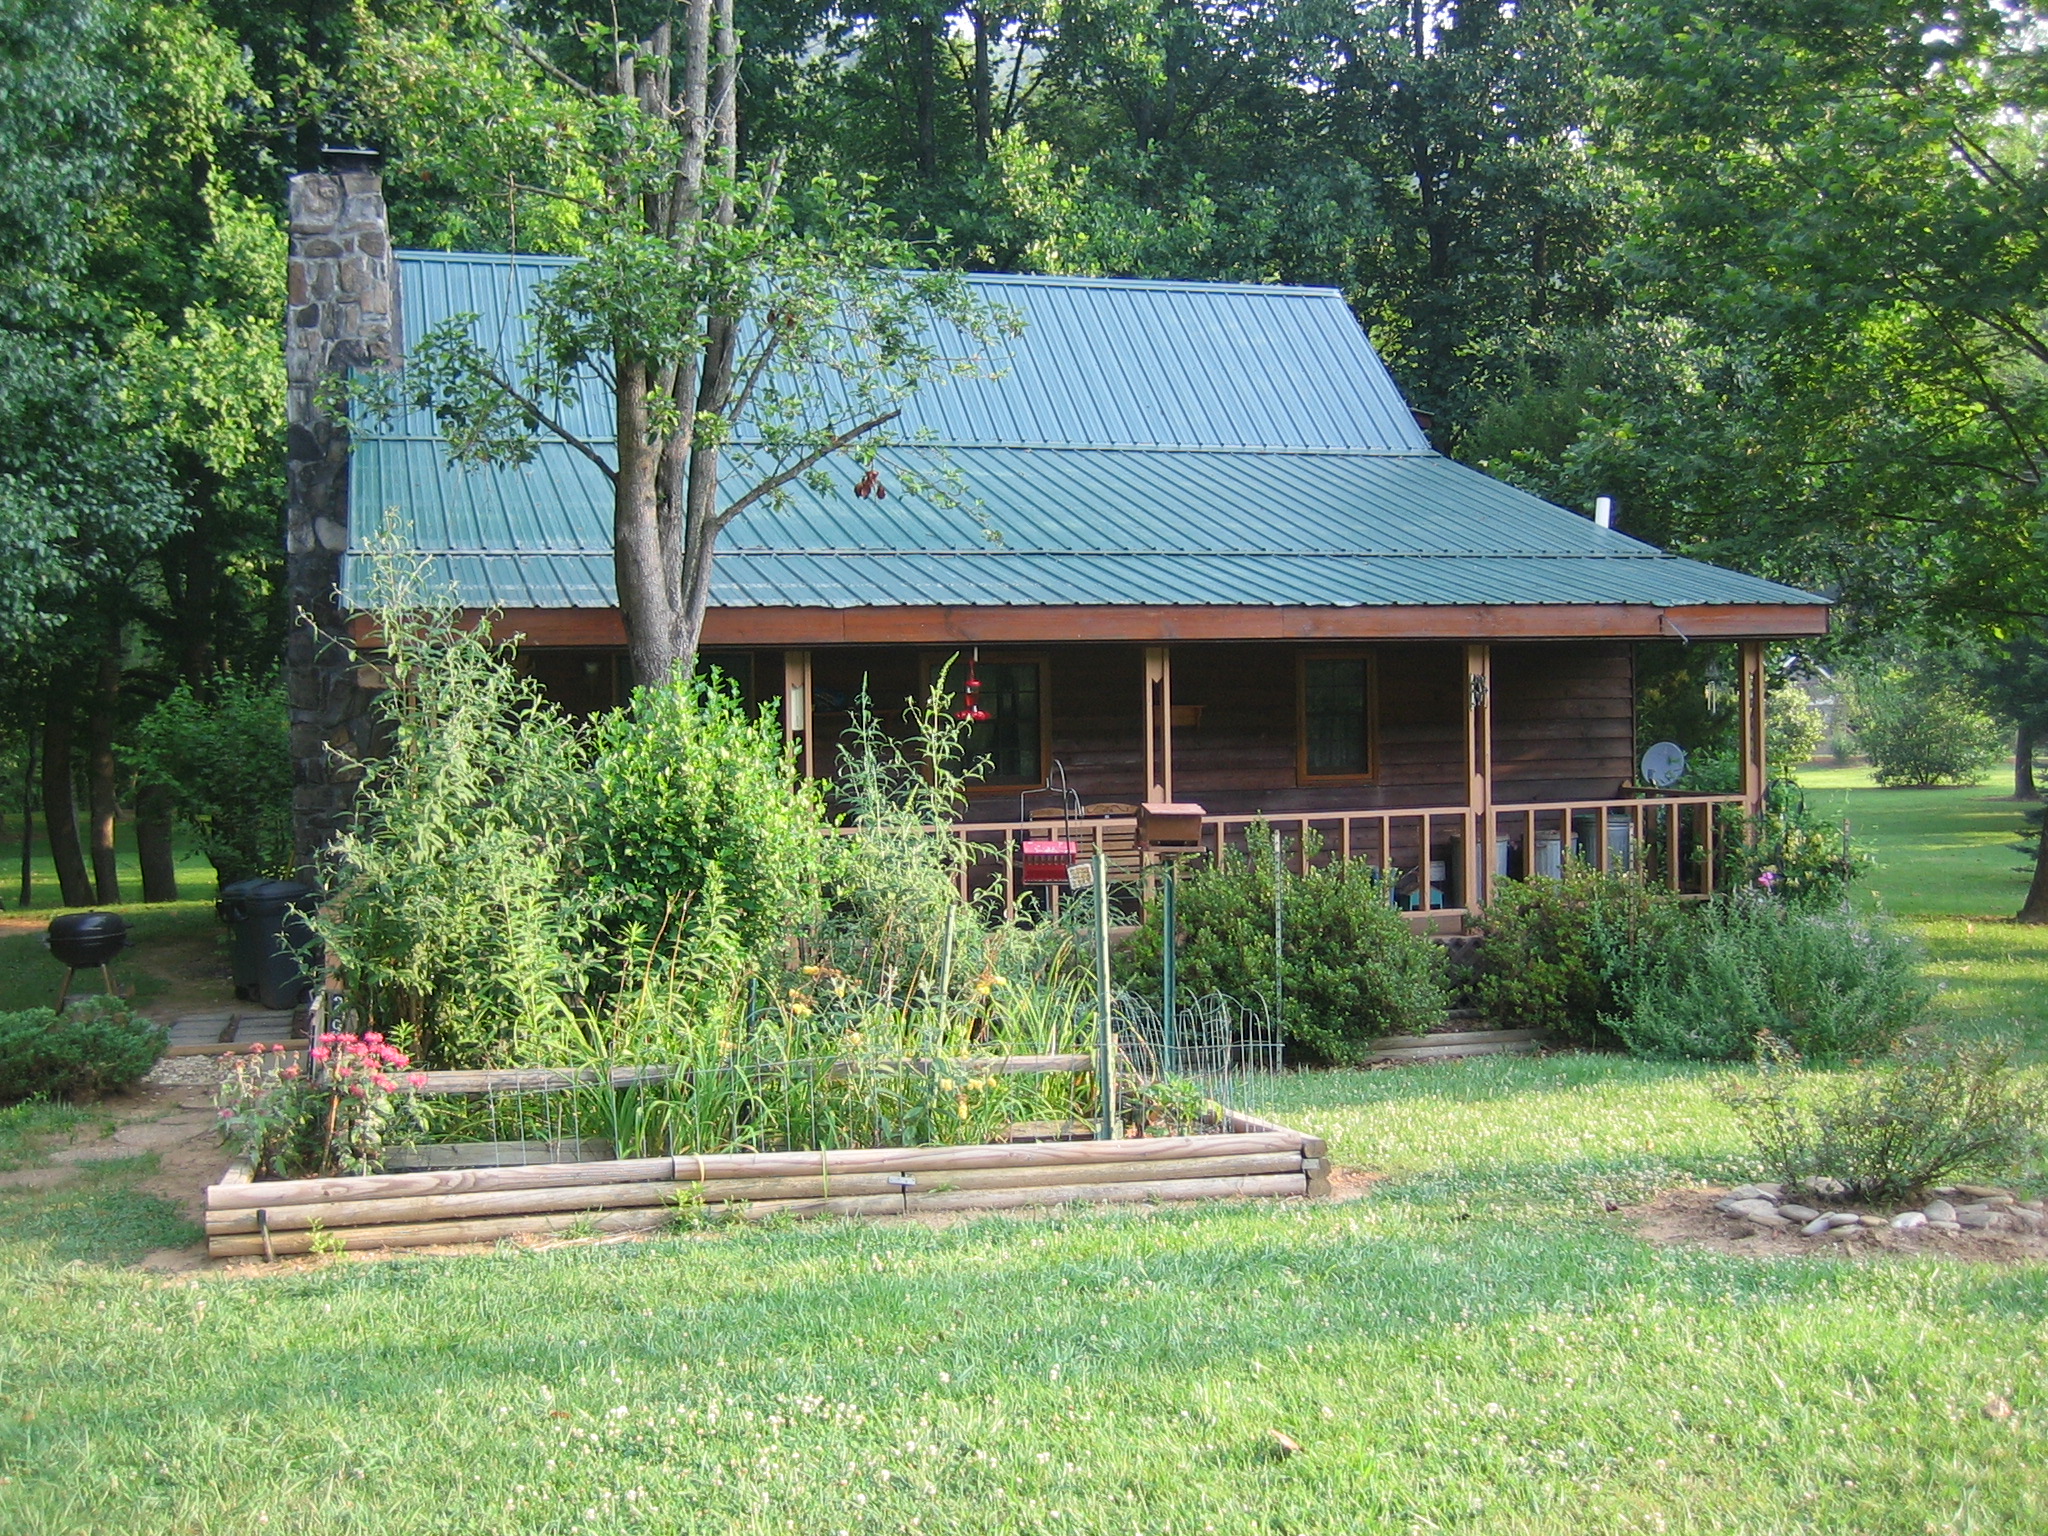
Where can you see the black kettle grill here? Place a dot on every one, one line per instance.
(80, 941)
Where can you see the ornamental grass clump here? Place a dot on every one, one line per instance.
(1831, 985)
(334, 1115)
(1892, 1131)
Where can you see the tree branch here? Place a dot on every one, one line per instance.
(535, 56)
(542, 417)
(778, 480)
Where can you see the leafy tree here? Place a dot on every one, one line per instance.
(227, 764)
(713, 311)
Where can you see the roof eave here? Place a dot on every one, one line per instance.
(1021, 625)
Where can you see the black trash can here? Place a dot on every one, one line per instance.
(231, 907)
(276, 913)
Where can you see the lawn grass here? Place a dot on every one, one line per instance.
(196, 880)
(174, 961)
(1478, 1345)
(1947, 866)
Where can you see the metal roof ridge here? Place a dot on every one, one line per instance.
(855, 552)
(988, 445)
(1036, 279)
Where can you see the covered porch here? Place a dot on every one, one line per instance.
(1451, 763)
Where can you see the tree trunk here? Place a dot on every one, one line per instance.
(60, 811)
(983, 89)
(924, 72)
(2023, 786)
(2036, 908)
(106, 874)
(28, 817)
(153, 824)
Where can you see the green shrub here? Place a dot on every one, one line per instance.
(1830, 984)
(94, 1047)
(696, 805)
(1555, 951)
(1790, 853)
(1353, 969)
(458, 917)
(1935, 1116)
(226, 761)
(1919, 730)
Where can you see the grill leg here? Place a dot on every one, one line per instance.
(64, 992)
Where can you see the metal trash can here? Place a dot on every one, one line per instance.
(231, 907)
(275, 923)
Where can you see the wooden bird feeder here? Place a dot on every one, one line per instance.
(1167, 826)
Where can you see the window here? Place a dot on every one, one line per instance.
(1012, 739)
(1336, 717)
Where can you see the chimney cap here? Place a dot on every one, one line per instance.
(349, 157)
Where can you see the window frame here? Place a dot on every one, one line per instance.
(1302, 775)
(929, 662)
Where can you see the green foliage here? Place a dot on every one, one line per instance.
(1353, 969)
(1832, 985)
(93, 1047)
(1920, 729)
(227, 762)
(457, 917)
(1791, 852)
(698, 823)
(1555, 952)
(1793, 728)
(1891, 1132)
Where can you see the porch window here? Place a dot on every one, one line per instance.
(1012, 739)
(1336, 701)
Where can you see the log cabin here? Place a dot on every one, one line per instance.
(1204, 553)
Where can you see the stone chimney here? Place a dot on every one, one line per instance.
(342, 314)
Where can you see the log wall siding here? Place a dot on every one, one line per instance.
(1563, 721)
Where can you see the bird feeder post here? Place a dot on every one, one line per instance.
(1168, 960)
(1105, 1065)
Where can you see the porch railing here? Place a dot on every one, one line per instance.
(1672, 837)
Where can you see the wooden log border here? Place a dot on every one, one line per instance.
(1253, 1158)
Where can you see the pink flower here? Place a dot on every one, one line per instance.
(319, 1053)
(256, 1050)
(418, 1079)
(1767, 879)
(373, 1038)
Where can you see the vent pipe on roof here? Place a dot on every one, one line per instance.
(1603, 511)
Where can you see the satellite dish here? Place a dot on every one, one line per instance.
(1663, 765)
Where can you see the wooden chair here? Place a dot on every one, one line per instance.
(1121, 853)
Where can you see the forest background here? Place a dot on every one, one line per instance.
(1771, 273)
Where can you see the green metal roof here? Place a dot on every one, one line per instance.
(1147, 443)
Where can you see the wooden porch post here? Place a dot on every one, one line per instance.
(1755, 763)
(796, 708)
(1158, 723)
(1478, 884)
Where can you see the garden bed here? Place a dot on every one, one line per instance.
(1249, 1159)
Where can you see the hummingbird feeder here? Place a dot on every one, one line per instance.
(972, 712)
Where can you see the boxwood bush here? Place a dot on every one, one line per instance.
(92, 1048)
(1353, 970)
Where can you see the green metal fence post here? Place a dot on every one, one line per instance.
(1105, 1066)
(1169, 956)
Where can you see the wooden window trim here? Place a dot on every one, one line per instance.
(1372, 716)
(929, 661)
